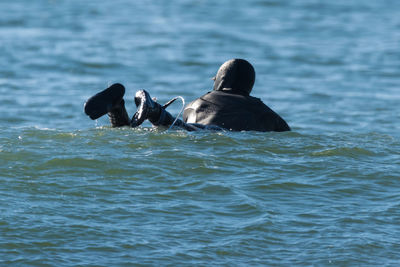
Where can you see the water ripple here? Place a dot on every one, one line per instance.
(76, 192)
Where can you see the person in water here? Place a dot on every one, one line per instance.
(228, 106)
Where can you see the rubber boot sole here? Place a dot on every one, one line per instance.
(144, 104)
(103, 102)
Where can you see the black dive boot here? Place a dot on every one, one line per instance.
(109, 101)
(158, 116)
(151, 110)
(118, 115)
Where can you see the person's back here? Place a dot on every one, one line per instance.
(230, 105)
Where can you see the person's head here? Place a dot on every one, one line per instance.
(235, 75)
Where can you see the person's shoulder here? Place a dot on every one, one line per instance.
(258, 103)
(280, 125)
(255, 99)
(195, 103)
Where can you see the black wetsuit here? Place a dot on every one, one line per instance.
(234, 112)
(230, 105)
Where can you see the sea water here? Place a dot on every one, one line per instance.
(76, 192)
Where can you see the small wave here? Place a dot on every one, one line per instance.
(271, 3)
(12, 23)
(344, 151)
(191, 63)
(285, 185)
(99, 65)
(216, 189)
(75, 162)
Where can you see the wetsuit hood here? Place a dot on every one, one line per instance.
(236, 76)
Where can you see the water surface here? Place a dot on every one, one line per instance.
(78, 192)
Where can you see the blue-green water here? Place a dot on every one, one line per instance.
(77, 192)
